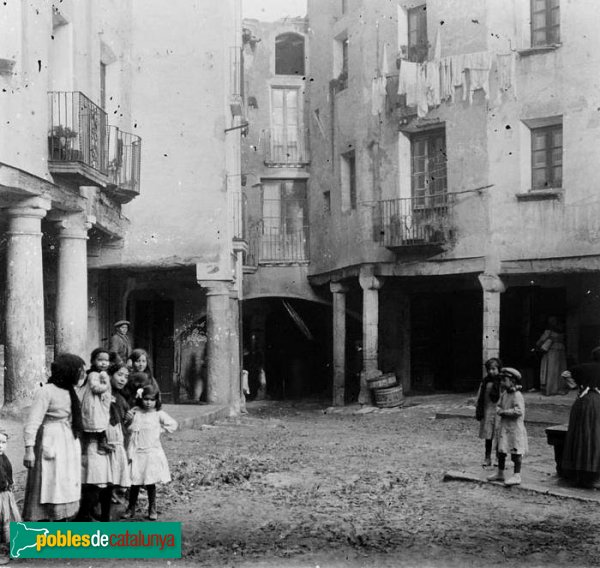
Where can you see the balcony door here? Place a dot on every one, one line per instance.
(429, 180)
(285, 226)
(285, 125)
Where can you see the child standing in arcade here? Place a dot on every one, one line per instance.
(485, 411)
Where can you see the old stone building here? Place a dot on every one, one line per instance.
(451, 190)
(287, 325)
(98, 227)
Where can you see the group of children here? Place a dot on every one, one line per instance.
(121, 410)
(121, 421)
(501, 411)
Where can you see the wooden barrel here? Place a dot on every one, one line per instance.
(382, 381)
(389, 397)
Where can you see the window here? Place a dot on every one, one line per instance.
(545, 22)
(546, 157)
(417, 34)
(428, 157)
(285, 227)
(286, 144)
(340, 63)
(348, 180)
(289, 54)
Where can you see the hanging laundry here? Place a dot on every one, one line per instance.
(378, 86)
(378, 95)
(458, 75)
(422, 104)
(433, 83)
(385, 70)
(506, 75)
(479, 73)
(446, 85)
(407, 81)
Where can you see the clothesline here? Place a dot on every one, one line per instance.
(429, 83)
(432, 195)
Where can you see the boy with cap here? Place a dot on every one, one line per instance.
(512, 436)
(119, 341)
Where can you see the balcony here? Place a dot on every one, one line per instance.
(77, 138)
(285, 148)
(124, 161)
(277, 245)
(417, 224)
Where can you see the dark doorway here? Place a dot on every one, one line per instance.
(446, 331)
(295, 353)
(153, 331)
(524, 312)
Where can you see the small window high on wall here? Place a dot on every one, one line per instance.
(289, 54)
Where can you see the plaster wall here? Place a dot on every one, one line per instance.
(181, 68)
(561, 82)
(488, 142)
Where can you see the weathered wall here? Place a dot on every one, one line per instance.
(486, 139)
(181, 68)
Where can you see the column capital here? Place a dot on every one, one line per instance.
(35, 207)
(491, 282)
(216, 287)
(338, 287)
(369, 282)
(71, 226)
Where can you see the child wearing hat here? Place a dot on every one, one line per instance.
(119, 341)
(512, 436)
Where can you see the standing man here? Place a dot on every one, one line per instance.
(119, 341)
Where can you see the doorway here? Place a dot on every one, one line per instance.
(153, 331)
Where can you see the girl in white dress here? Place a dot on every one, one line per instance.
(148, 461)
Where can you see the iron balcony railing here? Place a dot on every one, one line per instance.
(124, 160)
(414, 221)
(277, 245)
(285, 147)
(77, 131)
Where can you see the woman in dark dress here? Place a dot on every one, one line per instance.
(581, 452)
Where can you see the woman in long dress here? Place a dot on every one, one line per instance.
(52, 450)
(554, 358)
(581, 452)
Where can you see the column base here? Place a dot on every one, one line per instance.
(365, 395)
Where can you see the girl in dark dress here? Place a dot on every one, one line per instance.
(581, 452)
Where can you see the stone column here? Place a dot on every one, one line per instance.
(72, 287)
(25, 364)
(371, 286)
(235, 364)
(218, 330)
(492, 288)
(339, 342)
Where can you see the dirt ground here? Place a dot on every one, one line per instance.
(292, 486)
(288, 485)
